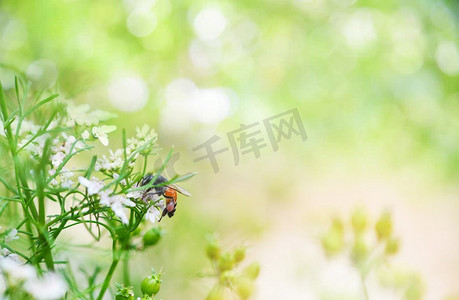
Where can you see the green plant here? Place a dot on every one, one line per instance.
(370, 250)
(230, 278)
(41, 142)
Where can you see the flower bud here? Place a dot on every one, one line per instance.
(225, 262)
(252, 271)
(333, 240)
(384, 226)
(245, 287)
(415, 289)
(152, 237)
(359, 220)
(124, 292)
(150, 286)
(239, 254)
(213, 249)
(392, 246)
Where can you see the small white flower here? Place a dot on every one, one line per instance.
(104, 198)
(15, 269)
(78, 114)
(122, 200)
(26, 127)
(57, 159)
(66, 184)
(101, 133)
(70, 140)
(11, 236)
(50, 287)
(153, 214)
(52, 172)
(5, 252)
(142, 132)
(66, 178)
(117, 203)
(118, 209)
(93, 185)
(116, 176)
(85, 135)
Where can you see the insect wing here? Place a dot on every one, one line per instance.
(180, 190)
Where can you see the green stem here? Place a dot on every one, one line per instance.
(364, 288)
(127, 278)
(48, 256)
(108, 277)
(12, 146)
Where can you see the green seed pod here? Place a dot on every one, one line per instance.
(216, 293)
(384, 226)
(392, 246)
(124, 292)
(226, 262)
(359, 220)
(239, 254)
(150, 286)
(333, 240)
(415, 289)
(213, 250)
(152, 237)
(121, 297)
(245, 287)
(252, 271)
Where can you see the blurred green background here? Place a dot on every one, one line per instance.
(376, 84)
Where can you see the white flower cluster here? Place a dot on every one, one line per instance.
(27, 127)
(156, 205)
(117, 203)
(11, 236)
(61, 149)
(115, 160)
(16, 274)
(143, 135)
(27, 131)
(83, 115)
(154, 212)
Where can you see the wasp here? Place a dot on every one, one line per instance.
(168, 191)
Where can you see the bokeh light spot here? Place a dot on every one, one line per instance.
(128, 93)
(209, 23)
(447, 58)
(42, 72)
(141, 23)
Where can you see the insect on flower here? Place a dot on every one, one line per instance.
(168, 191)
